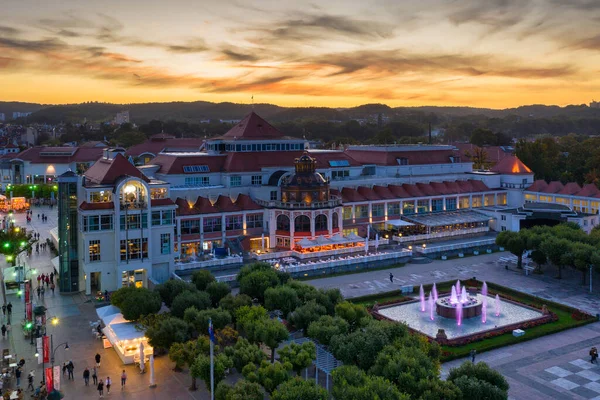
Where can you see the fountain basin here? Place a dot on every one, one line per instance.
(470, 308)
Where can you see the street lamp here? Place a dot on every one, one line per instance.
(66, 344)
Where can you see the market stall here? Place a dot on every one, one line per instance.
(122, 335)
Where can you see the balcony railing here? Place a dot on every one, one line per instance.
(334, 201)
(132, 205)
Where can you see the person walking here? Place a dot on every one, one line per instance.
(9, 308)
(123, 379)
(94, 375)
(473, 353)
(86, 376)
(391, 277)
(108, 382)
(39, 291)
(43, 291)
(64, 369)
(70, 369)
(4, 309)
(30, 380)
(101, 388)
(97, 360)
(3, 331)
(18, 373)
(52, 288)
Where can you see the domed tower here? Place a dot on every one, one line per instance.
(306, 185)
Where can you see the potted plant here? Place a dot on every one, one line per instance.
(461, 254)
(444, 257)
(489, 251)
(476, 252)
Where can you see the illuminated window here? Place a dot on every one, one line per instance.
(165, 243)
(94, 250)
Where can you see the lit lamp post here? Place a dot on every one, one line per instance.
(66, 344)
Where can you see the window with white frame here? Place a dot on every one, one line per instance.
(94, 250)
(235, 181)
(197, 181)
(212, 224)
(190, 226)
(233, 222)
(273, 195)
(164, 217)
(165, 243)
(134, 249)
(256, 180)
(94, 223)
(254, 221)
(377, 210)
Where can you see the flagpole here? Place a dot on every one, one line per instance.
(212, 361)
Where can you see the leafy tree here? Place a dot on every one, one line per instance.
(202, 279)
(247, 318)
(244, 353)
(166, 332)
(304, 291)
(556, 249)
(199, 319)
(515, 242)
(222, 390)
(140, 302)
(217, 291)
(351, 383)
(302, 316)
(185, 353)
(269, 375)
(297, 388)
(118, 297)
(201, 368)
(406, 367)
(245, 390)
(582, 255)
(436, 389)
(539, 258)
(231, 303)
(473, 388)
(355, 314)
(326, 327)
(171, 288)
(481, 371)
(271, 333)
(187, 299)
(282, 298)
(300, 356)
(256, 283)
(226, 337)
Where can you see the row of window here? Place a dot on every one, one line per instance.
(95, 223)
(164, 217)
(302, 223)
(264, 147)
(214, 224)
(131, 249)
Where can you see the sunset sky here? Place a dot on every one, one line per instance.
(481, 53)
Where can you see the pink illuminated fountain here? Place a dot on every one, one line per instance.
(457, 287)
(497, 305)
(435, 293)
(463, 295)
(459, 313)
(453, 296)
(431, 307)
(484, 289)
(459, 299)
(484, 310)
(422, 297)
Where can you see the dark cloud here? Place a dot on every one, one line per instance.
(9, 31)
(589, 43)
(42, 45)
(495, 14)
(238, 55)
(191, 46)
(68, 33)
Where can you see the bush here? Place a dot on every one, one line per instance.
(297, 388)
(202, 279)
(481, 371)
(256, 283)
(302, 317)
(185, 300)
(473, 388)
(326, 327)
(166, 332)
(170, 289)
(140, 302)
(231, 303)
(199, 319)
(217, 291)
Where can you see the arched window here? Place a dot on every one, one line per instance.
(283, 223)
(334, 220)
(321, 222)
(302, 224)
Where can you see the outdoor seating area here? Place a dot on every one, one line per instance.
(209, 262)
(333, 246)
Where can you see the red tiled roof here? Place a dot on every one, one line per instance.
(105, 171)
(413, 190)
(350, 196)
(252, 127)
(96, 206)
(245, 203)
(465, 186)
(79, 154)
(399, 191)
(204, 206)
(427, 189)
(254, 161)
(184, 208)
(570, 188)
(224, 204)
(511, 165)
(324, 157)
(538, 186)
(479, 186)
(384, 192)
(589, 190)
(368, 193)
(161, 202)
(453, 187)
(440, 187)
(389, 157)
(159, 143)
(553, 187)
(173, 163)
(494, 153)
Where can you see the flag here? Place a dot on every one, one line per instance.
(211, 331)
(49, 378)
(46, 348)
(56, 380)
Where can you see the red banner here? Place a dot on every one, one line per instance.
(49, 377)
(46, 347)
(28, 311)
(27, 291)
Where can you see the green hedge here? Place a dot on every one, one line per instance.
(42, 191)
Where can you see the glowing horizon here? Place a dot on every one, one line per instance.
(495, 54)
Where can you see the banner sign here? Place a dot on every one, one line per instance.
(46, 345)
(39, 350)
(27, 291)
(29, 311)
(56, 380)
(49, 376)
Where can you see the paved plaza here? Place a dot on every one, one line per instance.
(552, 367)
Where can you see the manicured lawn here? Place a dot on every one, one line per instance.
(564, 313)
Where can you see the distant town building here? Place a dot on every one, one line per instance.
(2, 117)
(18, 114)
(595, 104)
(122, 118)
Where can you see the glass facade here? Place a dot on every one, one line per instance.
(68, 274)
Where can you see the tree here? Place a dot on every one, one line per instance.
(282, 298)
(269, 375)
(199, 319)
(256, 283)
(244, 353)
(202, 279)
(539, 258)
(226, 337)
(406, 367)
(297, 388)
(247, 318)
(351, 383)
(216, 291)
(245, 390)
(166, 332)
(231, 303)
(271, 333)
(140, 302)
(201, 368)
(300, 356)
(323, 329)
(185, 353)
(480, 158)
(171, 288)
(118, 297)
(187, 299)
(515, 242)
(355, 314)
(582, 255)
(481, 374)
(302, 316)
(473, 388)
(437, 389)
(556, 249)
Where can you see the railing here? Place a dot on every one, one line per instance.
(456, 246)
(132, 205)
(343, 262)
(334, 201)
(428, 236)
(217, 262)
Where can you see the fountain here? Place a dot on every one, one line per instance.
(431, 308)
(458, 287)
(470, 306)
(422, 297)
(435, 293)
(463, 295)
(484, 310)
(497, 305)
(459, 314)
(484, 289)
(453, 297)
